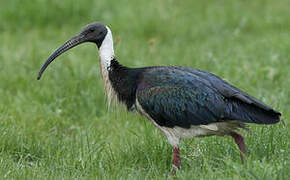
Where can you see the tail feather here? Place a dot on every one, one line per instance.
(249, 113)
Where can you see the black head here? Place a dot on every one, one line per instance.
(94, 32)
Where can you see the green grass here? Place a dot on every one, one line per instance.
(60, 128)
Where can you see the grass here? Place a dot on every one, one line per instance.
(60, 128)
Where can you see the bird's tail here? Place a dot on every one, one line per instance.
(250, 113)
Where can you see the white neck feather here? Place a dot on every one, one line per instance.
(106, 51)
(106, 54)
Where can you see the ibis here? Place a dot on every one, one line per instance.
(182, 102)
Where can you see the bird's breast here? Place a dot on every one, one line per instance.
(108, 89)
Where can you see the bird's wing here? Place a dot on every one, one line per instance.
(175, 97)
(225, 88)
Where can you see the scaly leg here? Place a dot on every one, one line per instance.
(239, 140)
(177, 161)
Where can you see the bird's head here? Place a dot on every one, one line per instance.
(94, 32)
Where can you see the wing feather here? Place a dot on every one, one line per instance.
(179, 96)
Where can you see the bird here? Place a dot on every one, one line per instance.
(181, 102)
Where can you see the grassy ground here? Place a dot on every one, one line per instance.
(60, 128)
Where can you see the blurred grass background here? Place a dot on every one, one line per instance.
(60, 128)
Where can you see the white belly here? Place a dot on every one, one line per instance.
(174, 134)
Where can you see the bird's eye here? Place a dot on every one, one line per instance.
(91, 30)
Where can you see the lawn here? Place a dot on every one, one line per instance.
(60, 127)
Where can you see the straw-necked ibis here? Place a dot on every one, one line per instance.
(182, 102)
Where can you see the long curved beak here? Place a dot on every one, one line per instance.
(76, 40)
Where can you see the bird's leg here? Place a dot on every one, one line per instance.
(239, 140)
(177, 161)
